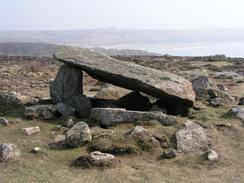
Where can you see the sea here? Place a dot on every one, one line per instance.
(230, 49)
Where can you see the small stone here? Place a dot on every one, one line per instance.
(31, 130)
(59, 138)
(212, 155)
(216, 102)
(169, 154)
(78, 135)
(36, 150)
(138, 131)
(4, 121)
(241, 102)
(97, 159)
(9, 152)
(69, 123)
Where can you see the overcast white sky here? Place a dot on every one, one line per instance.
(140, 14)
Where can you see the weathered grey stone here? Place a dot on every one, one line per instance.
(200, 82)
(216, 102)
(10, 100)
(241, 102)
(68, 83)
(128, 75)
(78, 135)
(222, 87)
(228, 75)
(138, 131)
(238, 112)
(65, 109)
(113, 116)
(31, 130)
(4, 121)
(214, 93)
(97, 159)
(169, 154)
(192, 138)
(212, 155)
(9, 152)
(45, 112)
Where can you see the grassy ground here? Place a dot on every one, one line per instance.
(53, 165)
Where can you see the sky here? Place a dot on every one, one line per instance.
(135, 14)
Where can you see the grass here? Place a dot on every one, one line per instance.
(53, 165)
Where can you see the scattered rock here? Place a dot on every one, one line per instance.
(36, 150)
(222, 87)
(217, 58)
(192, 138)
(212, 155)
(68, 83)
(113, 116)
(134, 101)
(97, 159)
(31, 130)
(10, 100)
(228, 75)
(4, 122)
(241, 102)
(9, 152)
(169, 154)
(200, 82)
(138, 131)
(128, 75)
(59, 138)
(65, 110)
(216, 102)
(238, 112)
(213, 93)
(78, 135)
(45, 112)
(69, 122)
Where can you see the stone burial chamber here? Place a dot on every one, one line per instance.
(174, 93)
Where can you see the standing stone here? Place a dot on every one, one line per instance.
(9, 152)
(78, 135)
(67, 83)
(192, 138)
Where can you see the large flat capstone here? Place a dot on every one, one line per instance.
(128, 75)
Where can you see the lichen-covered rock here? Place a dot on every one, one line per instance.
(78, 135)
(113, 116)
(238, 112)
(97, 159)
(192, 138)
(31, 130)
(4, 121)
(9, 152)
(138, 131)
(128, 75)
(65, 109)
(10, 100)
(45, 112)
(228, 75)
(68, 83)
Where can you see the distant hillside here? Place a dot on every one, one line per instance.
(28, 49)
(115, 36)
(46, 50)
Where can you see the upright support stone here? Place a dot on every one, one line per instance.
(68, 83)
